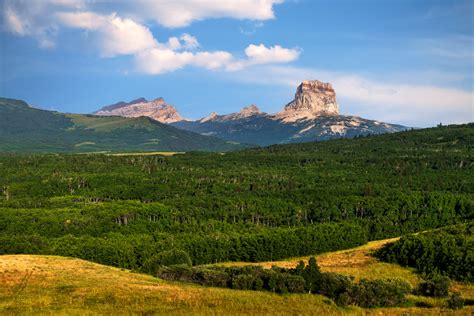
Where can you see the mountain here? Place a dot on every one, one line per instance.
(157, 109)
(312, 115)
(27, 129)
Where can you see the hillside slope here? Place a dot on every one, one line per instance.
(26, 129)
(50, 284)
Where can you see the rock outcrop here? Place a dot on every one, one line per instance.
(248, 111)
(312, 115)
(313, 98)
(157, 109)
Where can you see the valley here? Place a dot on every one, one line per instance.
(258, 206)
(236, 157)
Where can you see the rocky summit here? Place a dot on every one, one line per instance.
(312, 98)
(157, 109)
(312, 115)
(246, 112)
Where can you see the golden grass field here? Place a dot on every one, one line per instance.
(65, 286)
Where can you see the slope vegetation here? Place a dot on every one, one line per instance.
(26, 129)
(50, 284)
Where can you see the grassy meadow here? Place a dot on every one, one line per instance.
(66, 286)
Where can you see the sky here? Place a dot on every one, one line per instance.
(409, 62)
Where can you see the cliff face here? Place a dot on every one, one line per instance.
(157, 109)
(312, 98)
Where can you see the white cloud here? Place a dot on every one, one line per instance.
(412, 104)
(184, 12)
(117, 36)
(123, 36)
(212, 60)
(185, 41)
(259, 54)
(164, 59)
(158, 61)
(38, 18)
(15, 23)
(190, 41)
(30, 18)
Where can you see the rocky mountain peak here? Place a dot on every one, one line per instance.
(312, 98)
(157, 109)
(250, 110)
(139, 100)
(210, 117)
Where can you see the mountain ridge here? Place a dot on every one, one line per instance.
(313, 114)
(157, 109)
(27, 129)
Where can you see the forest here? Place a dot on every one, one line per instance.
(250, 205)
(446, 251)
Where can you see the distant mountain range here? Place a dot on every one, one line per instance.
(27, 129)
(142, 125)
(312, 115)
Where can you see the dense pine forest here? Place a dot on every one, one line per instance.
(251, 205)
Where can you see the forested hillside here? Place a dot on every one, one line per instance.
(252, 205)
(446, 251)
(27, 129)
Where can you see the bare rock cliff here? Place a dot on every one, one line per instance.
(312, 98)
(157, 109)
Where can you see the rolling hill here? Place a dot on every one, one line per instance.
(27, 129)
(59, 285)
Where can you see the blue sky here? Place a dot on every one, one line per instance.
(402, 61)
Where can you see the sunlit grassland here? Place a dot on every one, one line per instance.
(48, 284)
(359, 263)
(66, 286)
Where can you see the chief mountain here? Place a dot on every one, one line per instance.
(312, 115)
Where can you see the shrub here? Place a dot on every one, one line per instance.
(179, 272)
(333, 284)
(258, 284)
(437, 286)
(166, 258)
(295, 283)
(311, 275)
(210, 277)
(242, 282)
(455, 301)
(379, 293)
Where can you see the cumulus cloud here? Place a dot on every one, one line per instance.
(36, 18)
(30, 18)
(183, 12)
(123, 36)
(124, 33)
(164, 59)
(260, 54)
(117, 36)
(404, 102)
(190, 41)
(158, 61)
